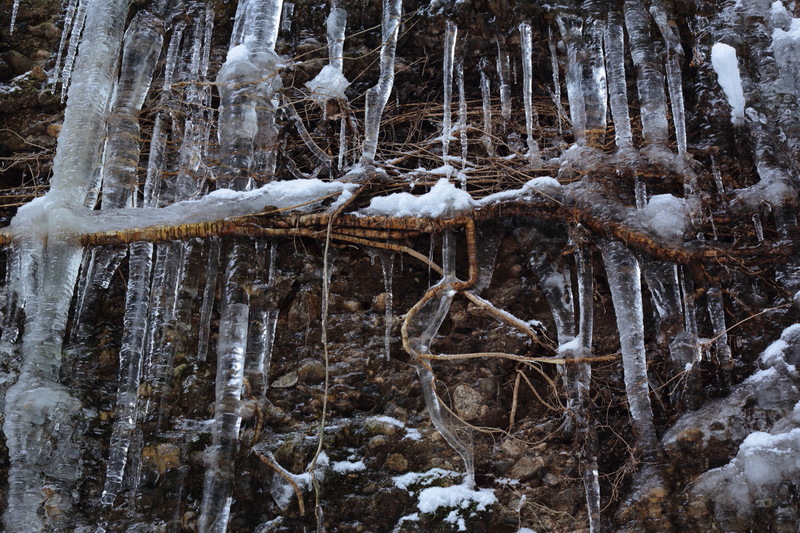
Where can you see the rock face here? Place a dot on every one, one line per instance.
(334, 350)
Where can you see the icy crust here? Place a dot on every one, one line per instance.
(44, 216)
(767, 456)
(763, 463)
(771, 390)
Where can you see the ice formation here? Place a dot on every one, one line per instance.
(378, 95)
(107, 74)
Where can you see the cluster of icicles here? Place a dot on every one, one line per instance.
(40, 413)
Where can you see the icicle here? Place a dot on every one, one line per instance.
(617, 85)
(490, 237)
(72, 49)
(286, 17)
(69, 17)
(556, 283)
(527, 88)
(462, 110)
(220, 472)
(378, 95)
(571, 28)
(716, 312)
(451, 32)
(263, 315)
(673, 66)
(13, 305)
(504, 76)
(624, 281)
(640, 190)
(649, 77)
(387, 267)
(486, 94)
(579, 379)
(556, 80)
(758, 227)
(14, 9)
(130, 368)
(207, 307)
(141, 49)
(337, 23)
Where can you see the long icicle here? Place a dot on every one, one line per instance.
(534, 156)
(378, 96)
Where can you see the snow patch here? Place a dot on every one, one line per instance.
(443, 198)
(329, 84)
(666, 216)
(344, 467)
(726, 65)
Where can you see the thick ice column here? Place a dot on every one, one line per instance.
(336, 24)
(378, 95)
(527, 90)
(622, 270)
(247, 82)
(141, 49)
(39, 423)
(586, 72)
(231, 349)
(673, 65)
(257, 22)
(617, 86)
(571, 28)
(594, 85)
(649, 76)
